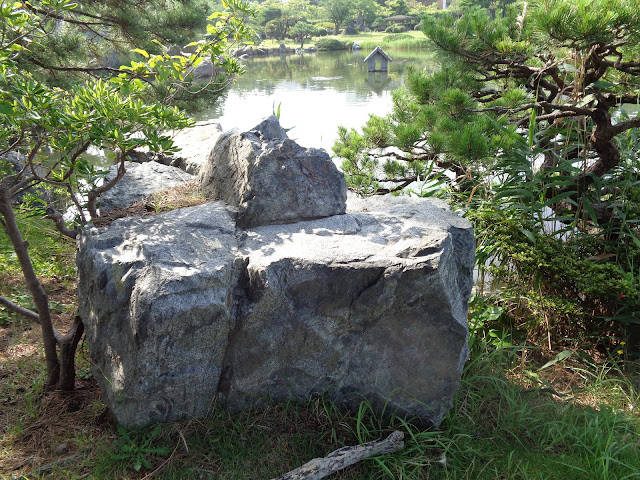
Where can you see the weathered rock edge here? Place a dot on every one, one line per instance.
(182, 309)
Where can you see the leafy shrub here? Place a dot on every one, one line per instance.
(324, 25)
(138, 448)
(321, 32)
(328, 44)
(578, 287)
(395, 29)
(378, 24)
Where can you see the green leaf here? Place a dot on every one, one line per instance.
(567, 67)
(558, 358)
(532, 128)
(589, 208)
(6, 108)
(586, 100)
(562, 196)
(514, 192)
(602, 84)
(141, 52)
(635, 239)
(528, 234)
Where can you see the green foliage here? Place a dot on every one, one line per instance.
(51, 253)
(117, 114)
(398, 29)
(519, 120)
(301, 31)
(138, 448)
(500, 428)
(550, 265)
(274, 29)
(571, 288)
(397, 38)
(581, 24)
(324, 25)
(397, 7)
(378, 24)
(338, 11)
(328, 44)
(268, 13)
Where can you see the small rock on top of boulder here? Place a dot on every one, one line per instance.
(271, 179)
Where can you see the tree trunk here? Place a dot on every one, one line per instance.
(33, 284)
(68, 345)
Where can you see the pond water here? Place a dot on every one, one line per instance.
(316, 92)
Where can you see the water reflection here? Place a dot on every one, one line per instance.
(378, 81)
(317, 92)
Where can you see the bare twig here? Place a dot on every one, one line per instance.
(38, 472)
(88, 70)
(93, 195)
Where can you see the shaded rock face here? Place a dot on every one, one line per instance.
(184, 307)
(140, 181)
(271, 179)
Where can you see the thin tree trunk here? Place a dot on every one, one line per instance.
(33, 284)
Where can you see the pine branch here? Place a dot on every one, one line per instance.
(50, 14)
(87, 70)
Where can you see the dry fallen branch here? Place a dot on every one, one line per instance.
(38, 472)
(343, 457)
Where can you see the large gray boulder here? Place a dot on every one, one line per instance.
(140, 181)
(184, 307)
(271, 179)
(157, 301)
(371, 303)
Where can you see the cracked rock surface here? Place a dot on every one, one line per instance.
(185, 307)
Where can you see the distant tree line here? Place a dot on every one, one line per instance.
(297, 18)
